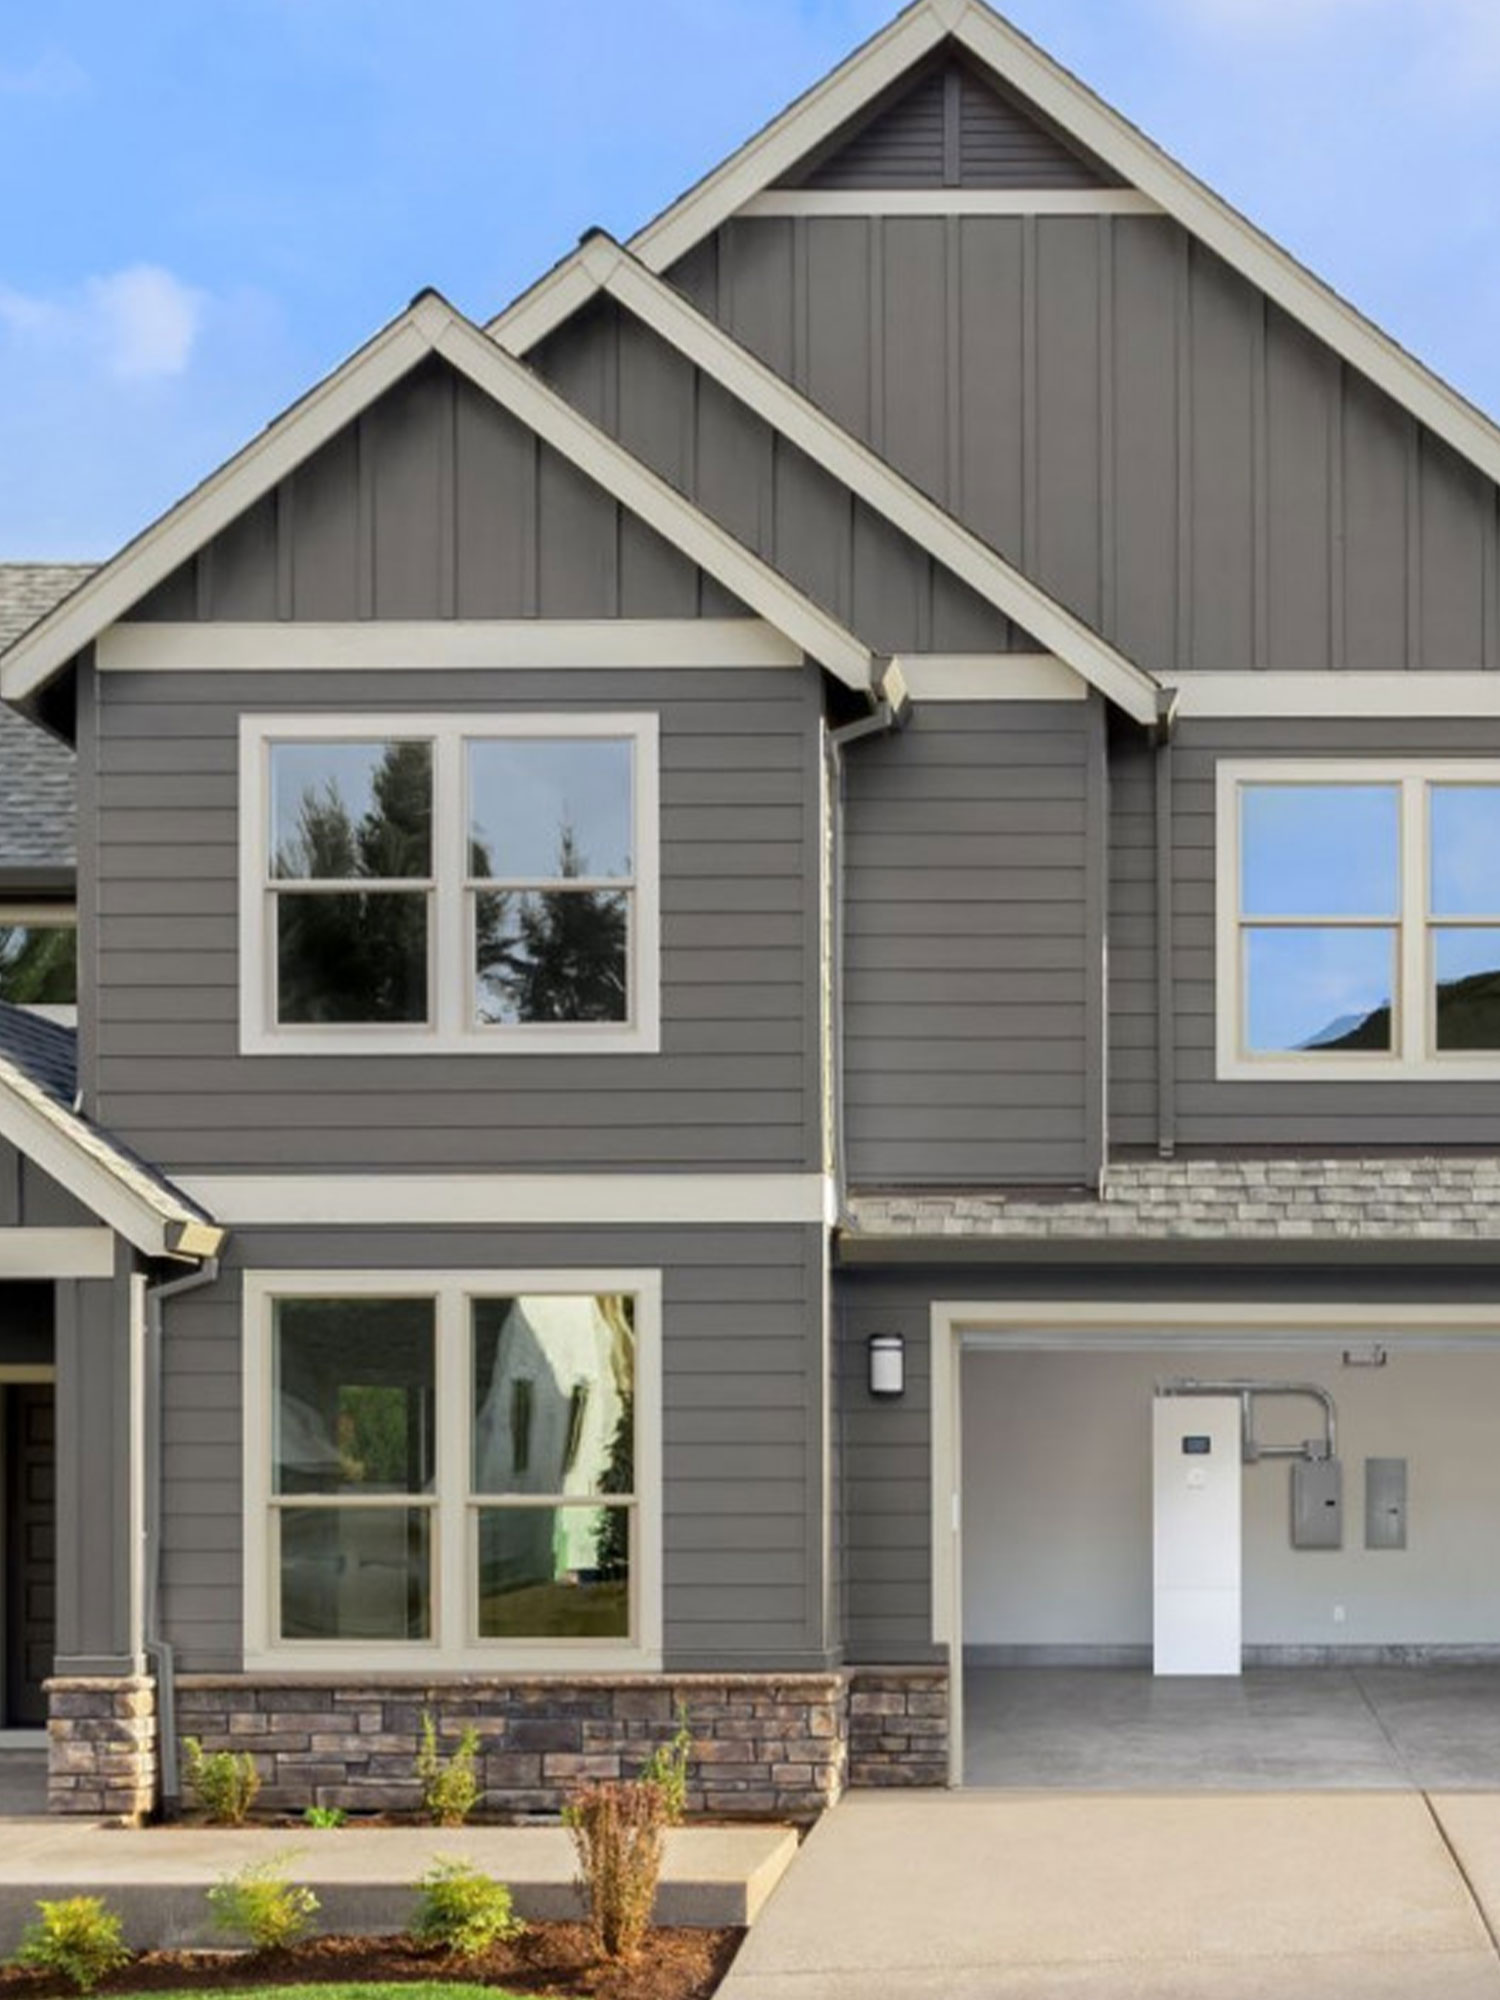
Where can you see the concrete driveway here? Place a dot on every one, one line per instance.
(1189, 1896)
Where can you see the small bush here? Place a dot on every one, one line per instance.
(450, 1786)
(80, 1939)
(618, 1830)
(464, 1910)
(326, 1818)
(257, 1903)
(224, 1782)
(667, 1769)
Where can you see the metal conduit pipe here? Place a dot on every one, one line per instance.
(1248, 1392)
(157, 1649)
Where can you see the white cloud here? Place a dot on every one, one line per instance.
(53, 74)
(137, 325)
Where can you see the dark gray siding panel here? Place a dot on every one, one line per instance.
(94, 1552)
(437, 504)
(30, 1199)
(743, 1441)
(1214, 1114)
(1134, 425)
(1132, 942)
(949, 126)
(967, 949)
(763, 490)
(736, 1086)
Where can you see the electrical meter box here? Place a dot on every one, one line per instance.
(1385, 1503)
(1317, 1503)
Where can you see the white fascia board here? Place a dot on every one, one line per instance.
(57, 1253)
(1346, 696)
(648, 497)
(944, 677)
(1248, 250)
(378, 646)
(866, 474)
(776, 203)
(78, 1159)
(221, 499)
(764, 159)
(495, 1200)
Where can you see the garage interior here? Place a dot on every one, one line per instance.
(1370, 1662)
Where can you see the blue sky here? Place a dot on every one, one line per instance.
(209, 203)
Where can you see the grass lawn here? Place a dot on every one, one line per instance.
(436, 1989)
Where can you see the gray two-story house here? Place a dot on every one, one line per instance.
(719, 925)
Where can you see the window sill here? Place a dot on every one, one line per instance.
(1367, 1069)
(541, 1041)
(495, 1662)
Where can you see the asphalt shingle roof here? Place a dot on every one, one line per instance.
(44, 1050)
(37, 806)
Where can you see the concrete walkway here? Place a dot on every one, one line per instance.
(1190, 1896)
(363, 1877)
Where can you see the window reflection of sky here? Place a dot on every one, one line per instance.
(1466, 850)
(524, 792)
(302, 771)
(1310, 987)
(1320, 851)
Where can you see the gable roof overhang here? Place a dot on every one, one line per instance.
(430, 326)
(1083, 116)
(604, 266)
(39, 1121)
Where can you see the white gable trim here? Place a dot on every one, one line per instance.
(429, 326)
(865, 473)
(984, 677)
(448, 645)
(1086, 118)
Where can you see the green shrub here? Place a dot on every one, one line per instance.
(80, 1940)
(327, 1818)
(257, 1903)
(667, 1768)
(464, 1910)
(618, 1829)
(450, 1786)
(224, 1782)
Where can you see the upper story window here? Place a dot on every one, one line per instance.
(39, 959)
(415, 883)
(1359, 920)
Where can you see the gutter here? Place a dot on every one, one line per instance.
(157, 1649)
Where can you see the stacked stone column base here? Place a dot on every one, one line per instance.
(101, 1747)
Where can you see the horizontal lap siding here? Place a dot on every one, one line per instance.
(736, 1085)
(967, 953)
(1132, 942)
(1349, 1113)
(742, 1432)
(1135, 426)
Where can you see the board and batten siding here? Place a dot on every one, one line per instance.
(736, 1086)
(1349, 1112)
(763, 490)
(744, 1450)
(973, 946)
(1135, 426)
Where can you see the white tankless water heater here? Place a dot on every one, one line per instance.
(1196, 1478)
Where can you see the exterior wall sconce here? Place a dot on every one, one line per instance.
(887, 1364)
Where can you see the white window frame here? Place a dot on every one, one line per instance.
(451, 1030)
(1415, 1057)
(454, 1645)
(46, 917)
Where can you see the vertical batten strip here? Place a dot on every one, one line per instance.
(1415, 649)
(447, 524)
(285, 504)
(364, 549)
(1184, 595)
(1108, 545)
(1338, 526)
(1260, 484)
(1031, 471)
(1490, 558)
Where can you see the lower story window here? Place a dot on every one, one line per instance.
(465, 1465)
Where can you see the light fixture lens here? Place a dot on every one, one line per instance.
(887, 1364)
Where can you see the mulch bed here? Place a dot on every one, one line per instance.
(548, 1959)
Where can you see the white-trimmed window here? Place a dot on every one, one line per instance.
(460, 1471)
(1359, 919)
(455, 883)
(39, 959)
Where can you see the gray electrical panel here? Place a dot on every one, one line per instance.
(1317, 1503)
(1385, 1503)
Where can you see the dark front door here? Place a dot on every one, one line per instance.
(30, 1551)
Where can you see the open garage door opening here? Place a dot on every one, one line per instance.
(1353, 1639)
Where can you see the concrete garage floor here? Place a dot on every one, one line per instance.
(1277, 1729)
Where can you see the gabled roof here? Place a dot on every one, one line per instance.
(429, 326)
(605, 267)
(37, 806)
(1075, 109)
(38, 1067)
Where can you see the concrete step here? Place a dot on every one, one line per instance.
(157, 1878)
